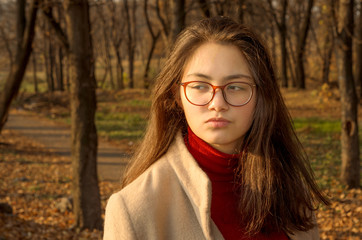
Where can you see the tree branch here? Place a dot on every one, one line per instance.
(163, 23)
(63, 39)
(7, 45)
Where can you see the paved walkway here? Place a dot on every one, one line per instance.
(56, 138)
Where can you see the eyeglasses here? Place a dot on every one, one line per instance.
(201, 93)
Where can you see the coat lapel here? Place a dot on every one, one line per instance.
(196, 185)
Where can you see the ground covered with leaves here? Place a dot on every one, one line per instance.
(33, 181)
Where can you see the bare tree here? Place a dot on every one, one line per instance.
(328, 46)
(5, 35)
(171, 15)
(327, 57)
(231, 8)
(36, 89)
(58, 55)
(25, 36)
(241, 9)
(86, 195)
(280, 22)
(117, 29)
(205, 8)
(301, 44)
(78, 45)
(106, 37)
(177, 18)
(349, 140)
(7, 45)
(322, 36)
(131, 40)
(220, 6)
(359, 52)
(164, 20)
(59, 68)
(48, 51)
(154, 37)
(51, 61)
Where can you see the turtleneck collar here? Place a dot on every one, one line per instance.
(220, 168)
(217, 165)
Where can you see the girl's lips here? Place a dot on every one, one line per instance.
(218, 122)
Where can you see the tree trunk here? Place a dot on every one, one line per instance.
(49, 52)
(241, 10)
(205, 8)
(300, 74)
(219, 7)
(24, 48)
(7, 46)
(165, 26)
(50, 64)
(108, 60)
(116, 36)
(45, 52)
(177, 18)
(58, 66)
(67, 73)
(21, 21)
(327, 58)
(86, 197)
(120, 70)
(131, 39)
(283, 49)
(146, 81)
(359, 53)
(36, 90)
(283, 44)
(282, 30)
(59, 60)
(104, 78)
(291, 63)
(60, 69)
(273, 43)
(349, 139)
(134, 39)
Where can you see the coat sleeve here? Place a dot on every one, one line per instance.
(118, 224)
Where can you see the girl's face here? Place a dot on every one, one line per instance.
(219, 124)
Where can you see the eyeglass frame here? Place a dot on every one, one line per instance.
(184, 84)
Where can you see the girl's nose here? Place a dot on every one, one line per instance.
(218, 103)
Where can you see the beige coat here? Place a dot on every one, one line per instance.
(171, 200)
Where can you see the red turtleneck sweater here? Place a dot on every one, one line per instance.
(220, 167)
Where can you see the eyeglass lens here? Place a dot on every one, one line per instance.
(201, 93)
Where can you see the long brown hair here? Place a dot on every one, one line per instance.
(276, 184)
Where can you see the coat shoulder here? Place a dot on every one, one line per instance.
(152, 205)
(150, 183)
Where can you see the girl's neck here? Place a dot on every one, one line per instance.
(218, 166)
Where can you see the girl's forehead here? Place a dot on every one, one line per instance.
(217, 60)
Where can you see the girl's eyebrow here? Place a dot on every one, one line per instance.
(200, 75)
(237, 76)
(230, 77)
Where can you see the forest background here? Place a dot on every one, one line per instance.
(91, 64)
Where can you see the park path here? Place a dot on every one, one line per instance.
(56, 138)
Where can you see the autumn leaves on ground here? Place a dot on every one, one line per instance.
(36, 184)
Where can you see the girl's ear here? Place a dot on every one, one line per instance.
(179, 102)
(177, 94)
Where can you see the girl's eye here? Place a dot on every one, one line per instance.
(199, 86)
(235, 88)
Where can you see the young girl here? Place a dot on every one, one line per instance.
(220, 158)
